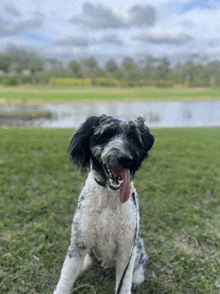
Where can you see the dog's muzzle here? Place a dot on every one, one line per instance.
(119, 178)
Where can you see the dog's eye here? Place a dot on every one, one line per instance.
(132, 137)
(135, 138)
(108, 134)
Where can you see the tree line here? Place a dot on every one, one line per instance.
(18, 66)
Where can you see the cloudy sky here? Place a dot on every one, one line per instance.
(76, 29)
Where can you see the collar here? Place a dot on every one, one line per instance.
(101, 183)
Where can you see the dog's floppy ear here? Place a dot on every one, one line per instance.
(79, 147)
(147, 138)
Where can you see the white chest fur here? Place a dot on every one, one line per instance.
(103, 222)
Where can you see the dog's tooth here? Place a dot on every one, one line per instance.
(120, 182)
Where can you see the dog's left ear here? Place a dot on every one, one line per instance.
(147, 138)
(79, 147)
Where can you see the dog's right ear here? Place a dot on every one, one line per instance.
(79, 147)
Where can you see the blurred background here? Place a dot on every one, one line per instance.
(58, 51)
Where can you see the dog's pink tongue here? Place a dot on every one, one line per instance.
(125, 186)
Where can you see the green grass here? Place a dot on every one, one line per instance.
(179, 193)
(68, 94)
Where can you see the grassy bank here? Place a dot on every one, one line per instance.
(179, 192)
(79, 94)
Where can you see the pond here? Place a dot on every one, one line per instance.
(157, 114)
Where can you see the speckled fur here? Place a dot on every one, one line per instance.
(104, 229)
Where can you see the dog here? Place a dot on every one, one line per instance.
(106, 222)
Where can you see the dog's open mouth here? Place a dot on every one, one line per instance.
(119, 178)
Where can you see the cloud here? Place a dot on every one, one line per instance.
(73, 41)
(142, 16)
(188, 24)
(100, 17)
(167, 37)
(39, 14)
(213, 42)
(11, 10)
(111, 39)
(83, 42)
(15, 28)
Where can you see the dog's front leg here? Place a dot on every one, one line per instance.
(71, 269)
(121, 264)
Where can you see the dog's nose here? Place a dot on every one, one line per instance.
(124, 159)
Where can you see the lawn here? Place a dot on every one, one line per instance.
(179, 193)
(14, 95)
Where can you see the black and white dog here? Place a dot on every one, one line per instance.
(106, 221)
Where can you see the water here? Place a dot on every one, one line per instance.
(156, 114)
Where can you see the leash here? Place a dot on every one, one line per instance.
(135, 235)
(103, 184)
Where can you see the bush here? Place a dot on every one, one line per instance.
(104, 82)
(199, 84)
(164, 84)
(27, 79)
(141, 83)
(70, 82)
(41, 79)
(10, 81)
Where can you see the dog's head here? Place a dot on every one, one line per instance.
(114, 147)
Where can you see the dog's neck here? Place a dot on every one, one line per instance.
(102, 197)
(98, 178)
(101, 183)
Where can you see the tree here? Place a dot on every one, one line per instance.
(18, 57)
(128, 64)
(163, 69)
(75, 69)
(53, 63)
(35, 64)
(111, 67)
(151, 62)
(90, 63)
(21, 59)
(165, 64)
(91, 66)
(189, 72)
(214, 64)
(178, 67)
(5, 62)
(150, 65)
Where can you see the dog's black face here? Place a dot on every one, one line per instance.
(115, 148)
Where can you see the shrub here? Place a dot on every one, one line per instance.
(70, 82)
(10, 81)
(164, 84)
(41, 79)
(104, 82)
(27, 79)
(199, 84)
(141, 83)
